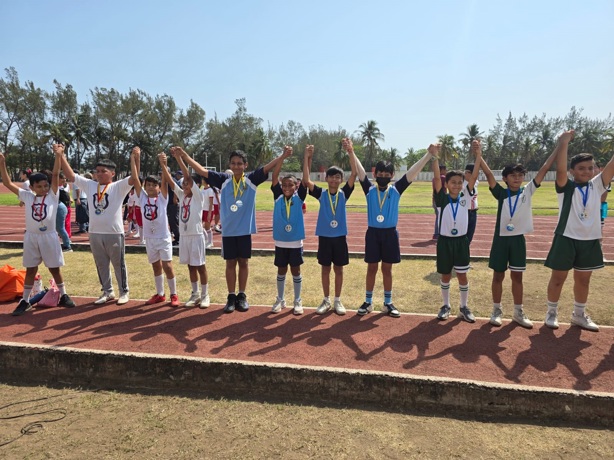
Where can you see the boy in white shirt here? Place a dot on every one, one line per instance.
(208, 196)
(154, 200)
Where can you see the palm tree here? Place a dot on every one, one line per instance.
(340, 158)
(370, 134)
(448, 154)
(394, 158)
(473, 132)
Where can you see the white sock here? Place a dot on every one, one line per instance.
(445, 292)
(204, 290)
(464, 294)
(195, 287)
(159, 284)
(172, 285)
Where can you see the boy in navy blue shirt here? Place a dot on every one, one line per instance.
(288, 233)
(238, 215)
(382, 238)
(331, 228)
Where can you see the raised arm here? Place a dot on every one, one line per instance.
(196, 166)
(415, 169)
(58, 152)
(608, 172)
(307, 167)
(272, 164)
(348, 146)
(6, 180)
(434, 151)
(164, 182)
(135, 159)
(64, 166)
(476, 148)
(490, 177)
(539, 177)
(561, 156)
(286, 154)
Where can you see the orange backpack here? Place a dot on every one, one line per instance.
(11, 283)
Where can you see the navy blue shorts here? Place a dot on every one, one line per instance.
(382, 245)
(237, 247)
(333, 250)
(288, 256)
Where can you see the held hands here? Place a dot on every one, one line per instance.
(476, 147)
(434, 150)
(162, 159)
(287, 152)
(347, 145)
(136, 153)
(58, 149)
(309, 151)
(567, 136)
(178, 152)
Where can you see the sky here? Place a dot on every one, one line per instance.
(419, 69)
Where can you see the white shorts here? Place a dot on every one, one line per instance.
(42, 247)
(192, 250)
(159, 249)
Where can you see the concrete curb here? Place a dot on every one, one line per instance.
(38, 364)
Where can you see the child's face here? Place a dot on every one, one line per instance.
(467, 175)
(187, 186)
(334, 182)
(237, 166)
(583, 171)
(40, 188)
(454, 185)
(104, 175)
(288, 187)
(514, 180)
(152, 189)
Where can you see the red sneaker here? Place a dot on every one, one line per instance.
(155, 299)
(174, 300)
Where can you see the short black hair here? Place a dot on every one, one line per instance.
(38, 177)
(470, 167)
(517, 168)
(106, 163)
(333, 171)
(384, 166)
(289, 177)
(453, 173)
(579, 158)
(238, 153)
(152, 179)
(442, 167)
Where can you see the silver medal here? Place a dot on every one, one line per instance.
(380, 218)
(239, 203)
(454, 231)
(234, 207)
(288, 228)
(334, 223)
(42, 228)
(510, 227)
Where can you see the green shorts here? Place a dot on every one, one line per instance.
(567, 253)
(452, 252)
(508, 252)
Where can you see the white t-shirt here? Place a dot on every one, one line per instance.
(474, 197)
(26, 185)
(583, 222)
(155, 220)
(106, 215)
(522, 222)
(448, 220)
(40, 211)
(132, 200)
(190, 211)
(206, 194)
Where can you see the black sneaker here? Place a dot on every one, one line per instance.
(66, 301)
(66, 249)
(230, 303)
(391, 310)
(444, 313)
(364, 309)
(241, 302)
(22, 307)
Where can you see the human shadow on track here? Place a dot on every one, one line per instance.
(484, 341)
(606, 365)
(547, 351)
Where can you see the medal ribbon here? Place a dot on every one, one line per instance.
(454, 208)
(100, 195)
(41, 206)
(288, 204)
(512, 208)
(383, 200)
(584, 194)
(238, 186)
(333, 206)
(185, 209)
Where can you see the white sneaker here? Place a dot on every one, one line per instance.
(104, 298)
(339, 308)
(521, 318)
(298, 307)
(123, 299)
(584, 321)
(324, 307)
(278, 305)
(136, 235)
(205, 301)
(552, 320)
(209, 245)
(496, 316)
(194, 300)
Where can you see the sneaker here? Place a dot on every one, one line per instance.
(444, 313)
(136, 235)
(194, 300)
(552, 320)
(104, 298)
(584, 321)
(155, 299)
(205, 302)
(298, 307)
(241, 302)
(217, 229)
(391, 310)
(68, 249)
(496, 317)
(174, 300)
(278, 305)
(364, 309)
(22, 307)
(66, 301)
(522, 319)
(209, 245)
(465, 314)
(230, 303)
(324, 307)
(339, 308)
(123, 299)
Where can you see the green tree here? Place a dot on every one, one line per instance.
(448, 155)
(370, 134)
